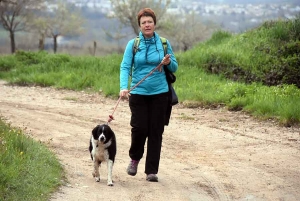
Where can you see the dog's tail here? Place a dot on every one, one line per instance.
(90, 149)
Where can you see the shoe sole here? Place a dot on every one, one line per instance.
(152, 179)
(131, 174)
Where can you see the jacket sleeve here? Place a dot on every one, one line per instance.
(173, 66)
(126, 65)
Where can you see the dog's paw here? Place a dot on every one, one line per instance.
(110, 183)
(97, 179)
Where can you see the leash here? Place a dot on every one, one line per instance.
(111, 117)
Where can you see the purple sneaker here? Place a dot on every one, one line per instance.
(152, 177)
(132, 167)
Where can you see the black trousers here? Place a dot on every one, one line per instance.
(148, 113)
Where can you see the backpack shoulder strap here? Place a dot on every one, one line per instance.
(135, 48)
(136, 45)
(165, 44)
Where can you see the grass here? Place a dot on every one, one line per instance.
(62, 71)
(28, 170)
(276, 102)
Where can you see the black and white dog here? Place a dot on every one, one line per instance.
(103, 147)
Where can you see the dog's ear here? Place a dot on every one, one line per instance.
(108, 128)
(94, 131)
(110, 131)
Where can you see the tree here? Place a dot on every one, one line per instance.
(187, 31)
(117, 35)
(15, 16)
(65, 20)
(40, 25)
(7, 1)
(126, 11)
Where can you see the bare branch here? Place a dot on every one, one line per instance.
(16, 14)
(7, 1)
(126, 11)
(64, 22)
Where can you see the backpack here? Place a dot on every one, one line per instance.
(137, 43)
(171, 78)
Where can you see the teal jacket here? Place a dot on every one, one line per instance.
(148, 56)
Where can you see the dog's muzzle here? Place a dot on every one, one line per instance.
(102, 138)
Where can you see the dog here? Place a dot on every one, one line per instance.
(103, 147)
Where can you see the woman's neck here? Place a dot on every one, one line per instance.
(149, 36)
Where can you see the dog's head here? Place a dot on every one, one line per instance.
(103, 133)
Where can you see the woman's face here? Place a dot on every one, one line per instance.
(147, 26)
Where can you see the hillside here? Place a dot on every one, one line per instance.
(269, 54)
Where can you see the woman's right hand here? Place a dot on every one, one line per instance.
(124, 93)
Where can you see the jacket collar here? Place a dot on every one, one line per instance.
(149, 40)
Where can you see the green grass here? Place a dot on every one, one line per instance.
(277, 102)
(28, 170)
(62, 71)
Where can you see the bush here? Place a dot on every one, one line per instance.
(30, 58)
(7, 64)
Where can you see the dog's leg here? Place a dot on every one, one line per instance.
(96, 173)
(110, 164)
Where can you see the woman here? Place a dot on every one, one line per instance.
(148, 101)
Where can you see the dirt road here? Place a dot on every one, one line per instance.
(206, 154)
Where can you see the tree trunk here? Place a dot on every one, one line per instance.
(55, 43)
(185, 47)
(95, 47)
(42, 42)
(12, 42)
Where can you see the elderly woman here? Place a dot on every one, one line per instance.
(148, 101)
